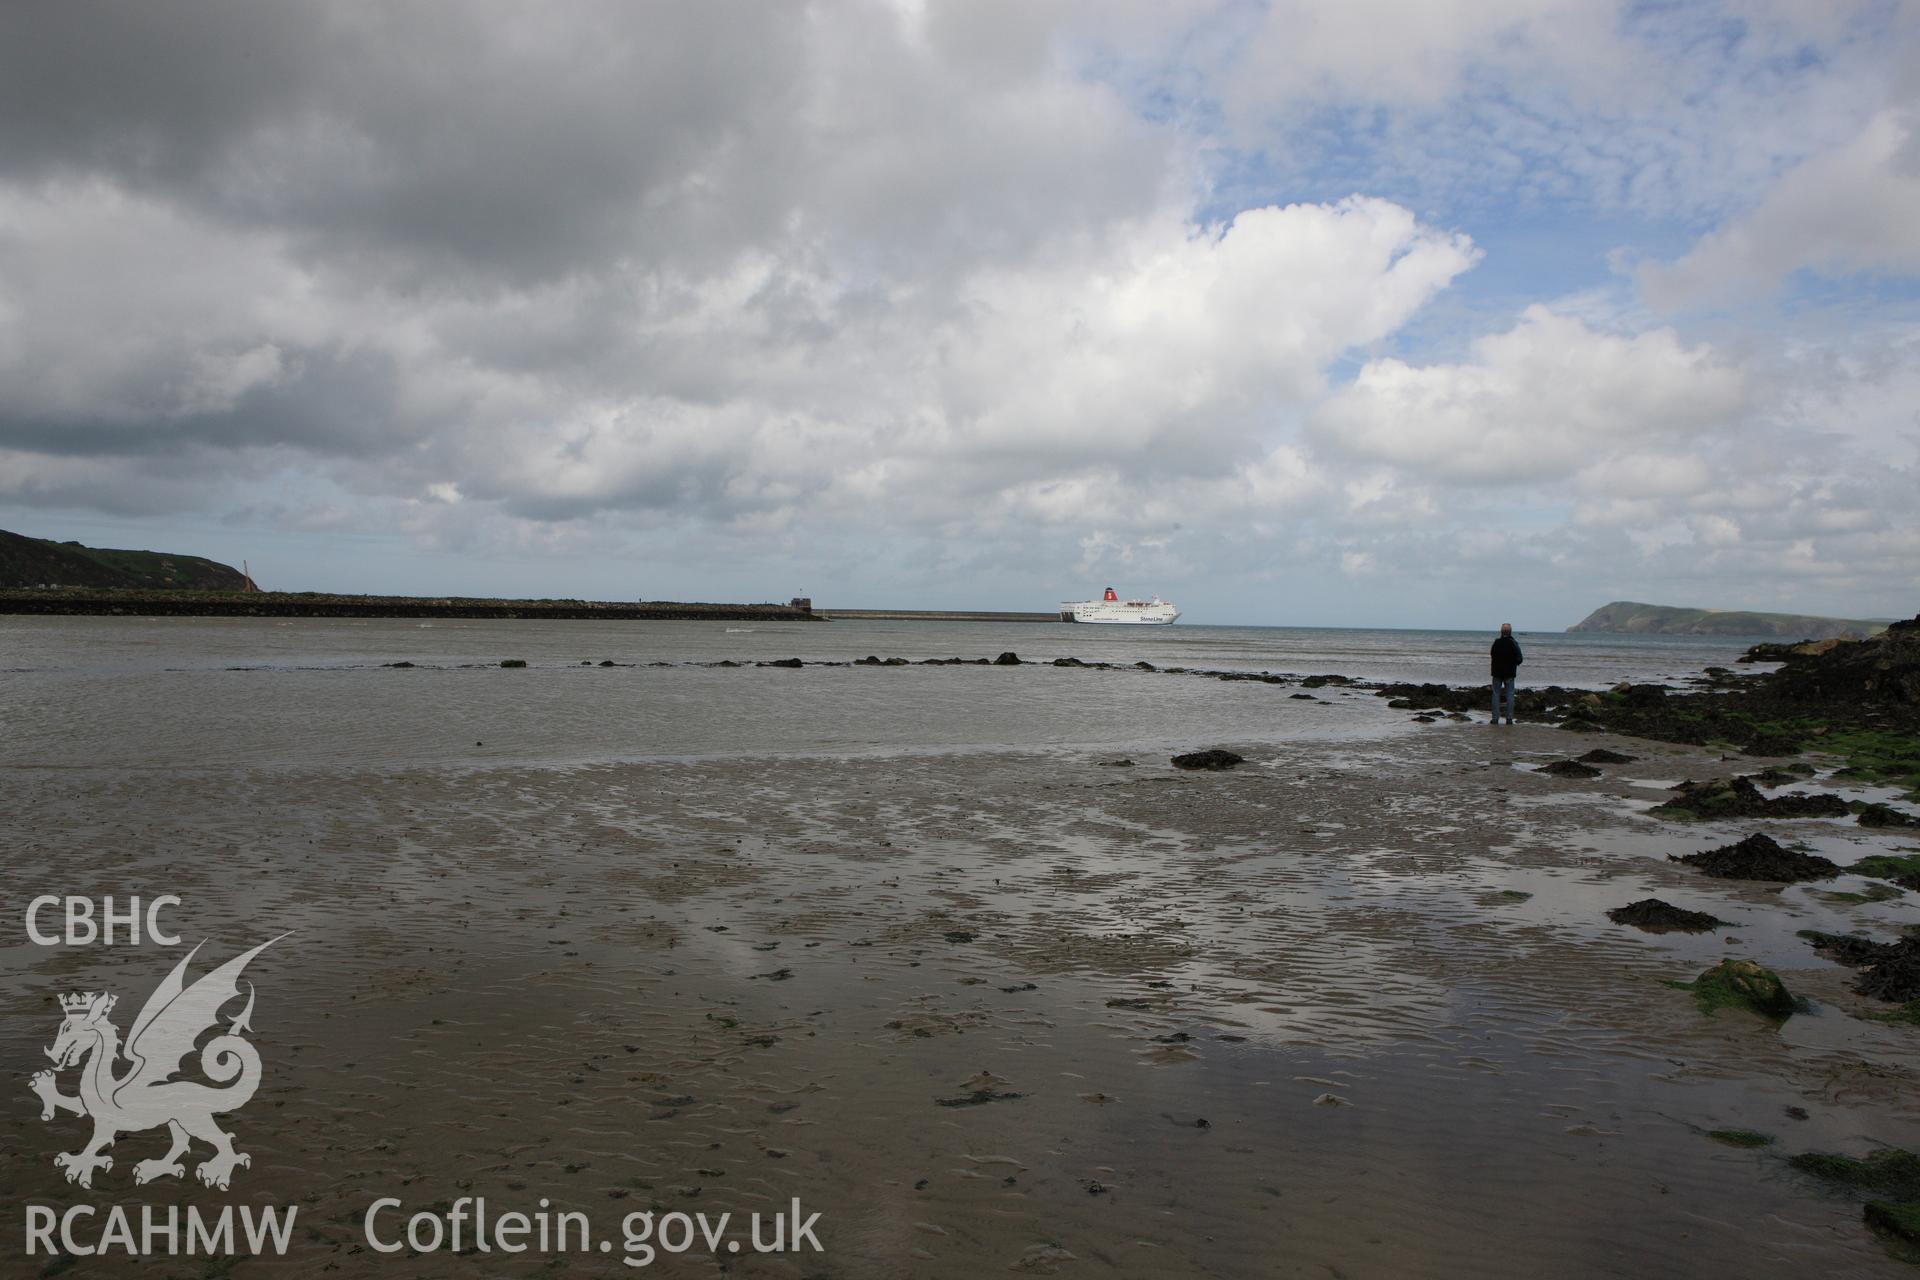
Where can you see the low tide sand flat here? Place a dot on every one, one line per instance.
(1353, 1006)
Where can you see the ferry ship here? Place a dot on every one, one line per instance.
(1111, 608)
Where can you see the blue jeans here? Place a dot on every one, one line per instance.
(1503, 686)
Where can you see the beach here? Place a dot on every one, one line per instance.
(1026, 1006)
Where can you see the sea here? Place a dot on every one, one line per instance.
(135, 692)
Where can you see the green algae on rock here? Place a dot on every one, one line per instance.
(1741, 1137)
(1901, 1218)
(1743, 984)
(1891, 1171)
(1901, 868)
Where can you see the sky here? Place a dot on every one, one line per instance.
(1369, 312)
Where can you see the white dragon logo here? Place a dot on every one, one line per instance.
(146, 1095)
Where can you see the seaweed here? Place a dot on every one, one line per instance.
(1741, 1137)
(1890, 1171)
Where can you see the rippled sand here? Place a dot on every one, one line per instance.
(1295, 1019)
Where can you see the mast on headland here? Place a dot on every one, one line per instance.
(247, 573)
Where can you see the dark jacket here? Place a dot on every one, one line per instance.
(1506, 658)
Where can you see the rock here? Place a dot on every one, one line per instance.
(1654, 916)
(1569, 769)
(977, 1098)
(1890, 1171)
(791, 663)
(514, 662)
(1744, 984)
(1896, 1218)
(1759, 857)
(1885, 815)
(1144, 666)
(399, 664)
(1007, 659)
(1890, 970)
(1747, 1138)
(1581, 725)
(1212, 758)
(1068, 662)
(1773, 743)
(1122, 763)
(1600, 755)
(1801, 804)
(1739, 798)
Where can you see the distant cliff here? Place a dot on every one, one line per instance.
(1625, 617)
(28, 563)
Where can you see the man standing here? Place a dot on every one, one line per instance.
(1506, 665)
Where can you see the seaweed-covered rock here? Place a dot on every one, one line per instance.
(1890, 1171)
(1885, 815)
(1759, 857)
(1744, 984)
(1901, 868)
(1600, 755)
(1747, 1138)
(1739, 798)
(1213, 758)
(1654, 916)
(1896, 1218)
(790, 663)
(1889, 971)
(1007, 659)
(1801, 804)
(1773, 743)
(1569, 769)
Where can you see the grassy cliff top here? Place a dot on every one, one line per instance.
(27, 563)
(1631, 618)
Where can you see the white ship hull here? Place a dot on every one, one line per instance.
(1136, 612)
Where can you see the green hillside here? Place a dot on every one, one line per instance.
(1626, 617)
(36, 562)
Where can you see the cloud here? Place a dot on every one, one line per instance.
(1853, 209)
(1013, 291)
(1548, 398)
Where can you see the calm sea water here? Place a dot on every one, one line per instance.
(207, 692)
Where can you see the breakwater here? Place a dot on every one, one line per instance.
(302, 604)
(937, 615)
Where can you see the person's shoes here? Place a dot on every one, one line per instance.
(1509, 722)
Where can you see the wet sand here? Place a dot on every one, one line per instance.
(1292, 1019)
